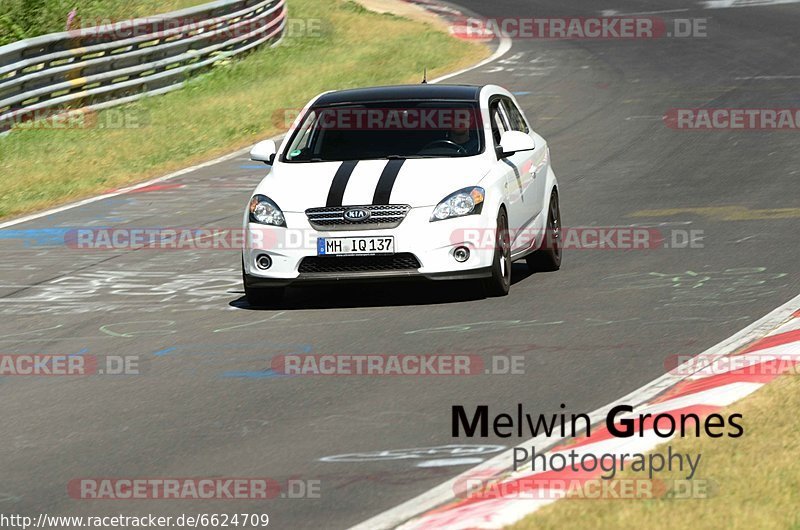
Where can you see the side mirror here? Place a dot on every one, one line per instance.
(514, 141)
(264, 152)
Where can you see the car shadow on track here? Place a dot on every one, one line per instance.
(520, 272)
(383, 294)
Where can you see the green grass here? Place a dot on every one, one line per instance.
(757, 478)
(229, 108)
(22, 19)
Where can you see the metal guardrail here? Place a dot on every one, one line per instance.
(103, 66)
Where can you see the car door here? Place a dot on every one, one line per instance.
(504, 166)
(516, 174)
(532, 165)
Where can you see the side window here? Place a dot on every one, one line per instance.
(499, 124)
(304, 137)
(515, 118)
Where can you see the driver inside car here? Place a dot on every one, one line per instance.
(464, 137)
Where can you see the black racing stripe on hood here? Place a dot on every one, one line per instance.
(339, 184)
(383, 191)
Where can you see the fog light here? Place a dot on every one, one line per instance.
(263, 262)
(461, 254)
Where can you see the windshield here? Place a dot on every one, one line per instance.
(396, 129)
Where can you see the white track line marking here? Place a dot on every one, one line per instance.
(125, 190)
(720, 396)
(766, 77)
(788, 326)
(724, 4)
(502, 49)
(783, 354)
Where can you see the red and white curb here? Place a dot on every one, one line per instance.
(702, 385)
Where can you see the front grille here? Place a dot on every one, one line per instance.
(381, 216)
(403, 261)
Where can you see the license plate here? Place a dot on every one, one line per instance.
(355, 246)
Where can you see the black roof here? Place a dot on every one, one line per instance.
(401, 93)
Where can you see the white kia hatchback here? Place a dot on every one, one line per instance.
(435, 182)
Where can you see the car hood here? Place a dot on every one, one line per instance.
(296, 187)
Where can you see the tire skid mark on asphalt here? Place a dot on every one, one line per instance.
(724, 213)
(483, 325)
(247, 324)
(501, 325)
(736, 286)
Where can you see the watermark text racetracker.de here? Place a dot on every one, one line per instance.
(733, 119)
(439, 364)
(67, 365)
(30, 119)
(756, 363)
(279, 238)
(199, 520)
(549, 487)
(193, 488)
(92, 31)
(385, 119)
(585, 238)
(582, 28)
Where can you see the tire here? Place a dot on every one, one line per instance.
(548, 257)
(262, 296)
(500, 281)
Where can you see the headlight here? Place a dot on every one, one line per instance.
(463, 202)
(264, 211)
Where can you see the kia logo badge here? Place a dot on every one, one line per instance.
(356, 214)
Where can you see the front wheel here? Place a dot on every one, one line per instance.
(500, 281)
(548, 257)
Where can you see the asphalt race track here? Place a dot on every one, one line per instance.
(203, 405)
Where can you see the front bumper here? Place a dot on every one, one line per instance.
(378, 276)
(431, 243)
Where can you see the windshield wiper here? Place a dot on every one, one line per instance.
(406, 157)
